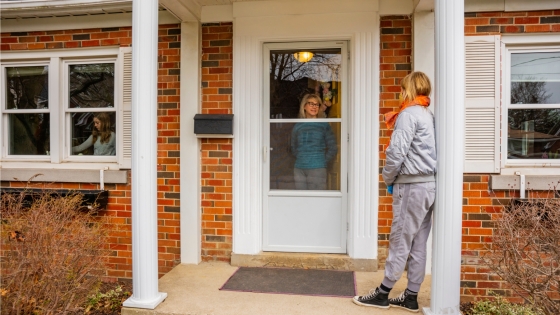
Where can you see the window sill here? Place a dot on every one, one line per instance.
(532, 182)
(64, 175)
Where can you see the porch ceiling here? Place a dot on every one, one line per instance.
(61, 8)
(26, 9)
(185, 10)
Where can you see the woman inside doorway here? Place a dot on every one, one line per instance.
(313, 144)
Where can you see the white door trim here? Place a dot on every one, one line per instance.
(361, 30)
(338, 197)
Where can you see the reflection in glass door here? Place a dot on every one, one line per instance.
(305, 201)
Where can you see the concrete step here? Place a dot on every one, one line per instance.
(304, 261)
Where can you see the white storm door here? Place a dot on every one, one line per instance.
(298, 216)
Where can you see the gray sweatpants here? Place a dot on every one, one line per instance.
(412, 221)
(310, 179)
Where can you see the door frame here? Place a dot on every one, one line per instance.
(344, 136)
(362, 29)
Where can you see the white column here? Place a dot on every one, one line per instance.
(190, 156)
(449, 114)
(144, 156)
(423, 54)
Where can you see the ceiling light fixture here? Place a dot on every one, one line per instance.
(303, 56)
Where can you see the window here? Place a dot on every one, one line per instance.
(533, 103)
(66, 107)
(512, 104)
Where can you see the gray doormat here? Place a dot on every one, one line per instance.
(292, 281)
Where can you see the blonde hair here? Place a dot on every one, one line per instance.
(415, 84)
(304, 100)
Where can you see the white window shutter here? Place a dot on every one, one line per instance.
(125, 110)
(482, 104)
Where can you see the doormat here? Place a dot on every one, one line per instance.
(292, 281)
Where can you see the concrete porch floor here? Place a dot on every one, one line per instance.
(194, 290)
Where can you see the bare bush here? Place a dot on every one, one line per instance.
(525, 252)
(52, 254)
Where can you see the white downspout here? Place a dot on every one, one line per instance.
(522, 187)
(144, 156)
(101, 179)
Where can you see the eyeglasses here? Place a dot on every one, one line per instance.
(312, 104)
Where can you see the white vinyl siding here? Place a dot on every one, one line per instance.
(482, 104)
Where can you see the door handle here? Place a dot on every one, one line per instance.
(265, 153)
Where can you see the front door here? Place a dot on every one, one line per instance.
(305, 147)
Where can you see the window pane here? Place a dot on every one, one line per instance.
(92, 85)
(93, 133)
(27, 87)
(28, 134)
(534, 134)
(305, 156)
(294, 73)
(535, 78)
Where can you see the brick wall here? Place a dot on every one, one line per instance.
(492, 23)
(216, 154)
(482, 207)
(395, 64)
(119, 207)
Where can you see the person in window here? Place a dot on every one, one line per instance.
(409, 174)
(102, 138)
(313, 144)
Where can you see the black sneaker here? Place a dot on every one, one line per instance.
(375, 298)
(407, 301)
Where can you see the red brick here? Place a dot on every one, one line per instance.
(503, 20)
(526, 20)
(512, 29)
(27, 39)
(386, 23)
(44, 38)
(514, 14)
(55, 45)
(487, 284)
(72, 44)
(472, 223)
(539, 13)
(90, 43)
(537, 28)
(36, 46)
(470, 30)
(9, 40)
(489, 14)
(477, 21)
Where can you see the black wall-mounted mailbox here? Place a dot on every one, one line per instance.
(213, 124)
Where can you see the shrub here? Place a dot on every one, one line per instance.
(525, 252)
(497, 306)
(52, 254)
(109, 302)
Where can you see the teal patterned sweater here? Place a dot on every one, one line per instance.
(313, 144)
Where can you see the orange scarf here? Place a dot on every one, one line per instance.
(391, 117)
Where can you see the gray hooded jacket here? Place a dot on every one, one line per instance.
(411, 155)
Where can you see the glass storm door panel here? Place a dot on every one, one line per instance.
(305, 145)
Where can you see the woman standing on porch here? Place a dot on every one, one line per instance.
(314, 145)
(409, 174)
